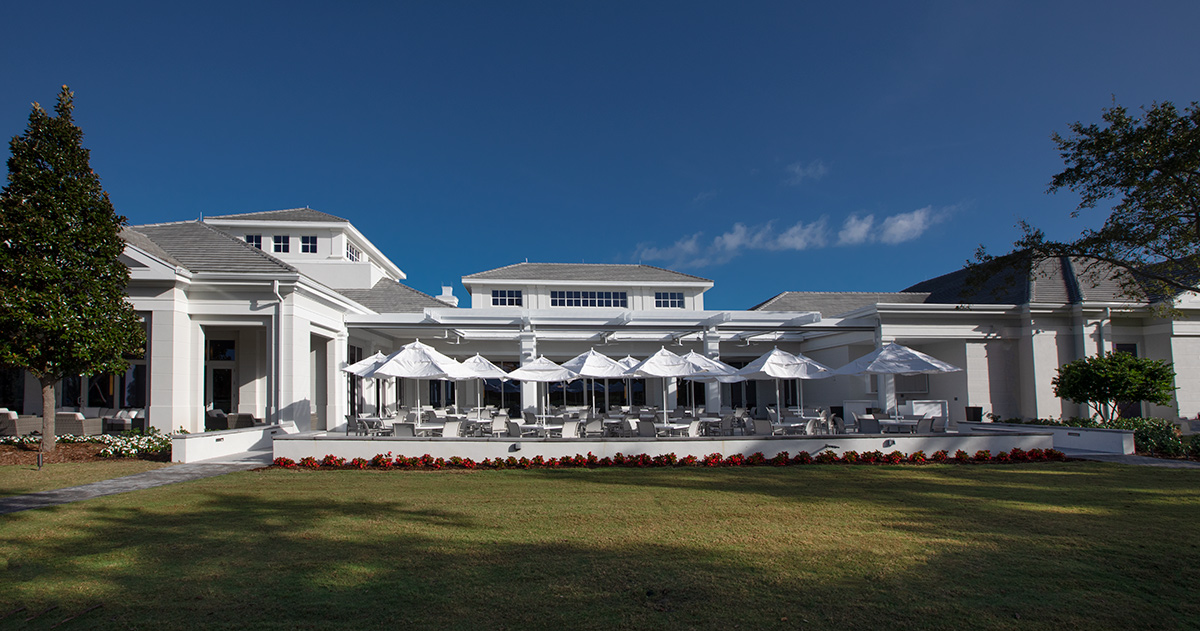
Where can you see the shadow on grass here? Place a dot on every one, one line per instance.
(819, 547)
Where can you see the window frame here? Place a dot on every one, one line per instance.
(282, 243)
(507, 298)
(308, 244)
(254, 240)
(669, 300)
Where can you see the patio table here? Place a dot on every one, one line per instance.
(897, 425)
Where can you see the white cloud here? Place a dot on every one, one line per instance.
(856, 230)
(798, 172)
(703, 197)
(694, 251)
(907, 226)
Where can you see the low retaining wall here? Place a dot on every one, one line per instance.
(1071, 439)
(209, 445)
(318, 445)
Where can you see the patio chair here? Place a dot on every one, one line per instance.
(646, 429)
(407, 430)
(839, 425)
(451, 429)
(763, 427)
(570, 429)
(693, 429)
(868, 426)
(515, 431)
(925, 426)
(594, 428)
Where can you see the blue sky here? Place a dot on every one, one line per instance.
(768, 146)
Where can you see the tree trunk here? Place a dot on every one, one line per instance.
(48, 413)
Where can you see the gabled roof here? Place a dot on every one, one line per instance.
(389, 296)
(199, 247)
(1015, 279)
(616, 273)
(290, 214)
(1006, 281)
(834, 303)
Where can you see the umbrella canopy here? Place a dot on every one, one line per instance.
(628, 362)
(777, 364)
(544, 371)
(418, 361)
(895, 359)
(664, 364)
(366, 366)
(714, 369)
(594, 365)
(478, 367)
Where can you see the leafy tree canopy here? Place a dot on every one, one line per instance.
(1106, 380)
(62, 287)
(1150, 167)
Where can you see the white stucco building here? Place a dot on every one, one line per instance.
(257, 313)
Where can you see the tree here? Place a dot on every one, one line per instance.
(1151, 168)
(62, 299)
(1104, 381)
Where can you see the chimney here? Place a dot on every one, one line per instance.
(448, 296)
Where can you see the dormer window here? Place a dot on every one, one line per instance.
(506, 297)
(668, 300)
(353, 253)
(254, 240)
(308, 245)
(282, 243)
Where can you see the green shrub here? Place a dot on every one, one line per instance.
(1152, 435)
(1192, 447)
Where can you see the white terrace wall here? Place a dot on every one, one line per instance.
(349, 447)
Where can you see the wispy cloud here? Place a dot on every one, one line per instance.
(703, 197)
(799, 172)
(695, 251)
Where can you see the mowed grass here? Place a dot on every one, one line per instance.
(1054, 545)
(18, 479)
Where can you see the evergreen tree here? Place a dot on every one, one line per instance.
(62, 288)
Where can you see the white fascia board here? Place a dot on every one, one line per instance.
(156, 268)
(469, 282)
(358, 238)
(330, 297)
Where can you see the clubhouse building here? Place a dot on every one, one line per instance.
(258, 313)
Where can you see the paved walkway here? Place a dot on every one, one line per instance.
(137, 481)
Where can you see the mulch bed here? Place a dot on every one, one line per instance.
(63, 452)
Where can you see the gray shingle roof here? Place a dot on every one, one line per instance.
(1015, 280)
(290, 214)
(199, 247)
(1006, 281)
(389, 296)
(834, 303)
(616, 273)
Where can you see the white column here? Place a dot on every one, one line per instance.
(176, 369)
(712, 391)
(295, 401)
(529, 389)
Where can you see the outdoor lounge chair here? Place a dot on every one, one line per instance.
(73, 423)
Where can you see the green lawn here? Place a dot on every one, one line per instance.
(1055, 545)
(19, 479)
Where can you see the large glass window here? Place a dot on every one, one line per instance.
(589, 299)
(283, 243)
(506, 297)
(308, 245)
(668, 300)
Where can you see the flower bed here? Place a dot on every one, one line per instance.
(152, 444)
(388, 462)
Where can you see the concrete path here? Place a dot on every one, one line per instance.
(137, 482)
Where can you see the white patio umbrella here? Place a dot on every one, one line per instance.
(365, 367)
(715, 370)
(776, 364)
(478, 367)
(418, 361)
(542, 370)
(664, 364)
(595, 365)
(894, 359)
(628, 362)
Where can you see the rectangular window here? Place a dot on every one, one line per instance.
(668, 300)
(506, 297)
(308, 245)
(589, 299)
(353, 253)
(282, 243)
(254, 240)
